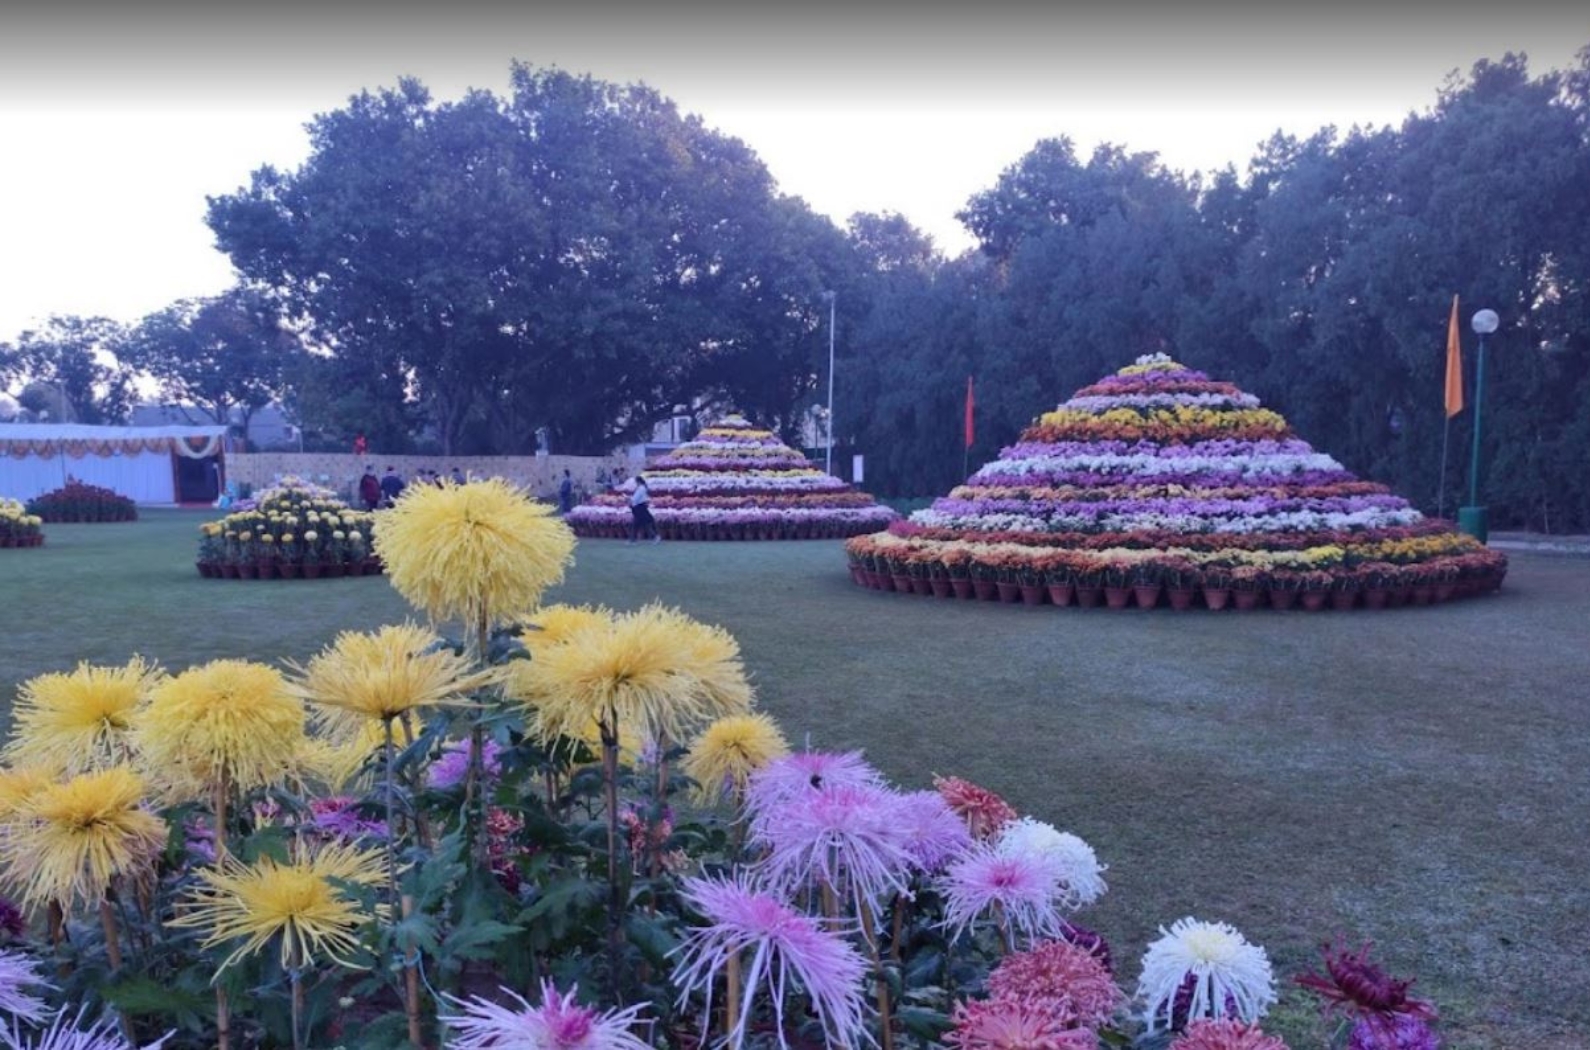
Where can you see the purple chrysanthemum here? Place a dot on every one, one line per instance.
(16, 974)
(779, 948)
(931, 831)
(450, 770)
(1404, 1032)
(1019, 888)
(12, 922)
(841, 836)
(64, 1034)
(804, 771)
(340, 817)
(559, 1023)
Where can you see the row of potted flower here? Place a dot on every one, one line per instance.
(18, 528)
(77, 501)
(752, 523)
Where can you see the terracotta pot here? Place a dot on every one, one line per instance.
(1400, 596)
(985, 590)
(248, 571)
(1376, 598)
(229, 570)
(856, 577)
(1424, 594)
(961, 587)
(1445, 591)
(1032, 593)
(1281, 598)
(1062, 594)
(1181, 598)
(372, 567)
(1117, 597)
(1246, 599)
(1343, 600)
(1314, 601)
(941, 587)
(922, 585)
(288, 570)
(267, 569)
(902, 584)
(1008, 592)
(1089, 597)
(1147, 595)
(311, 570)
(204, 568)
(1217, 597)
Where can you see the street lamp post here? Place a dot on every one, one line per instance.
(828, 454)
(1472, 518)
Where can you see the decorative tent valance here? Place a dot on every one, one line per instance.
(21, 440)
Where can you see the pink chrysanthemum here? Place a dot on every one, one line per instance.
(931, 831)
(802, 772)
(1226, 1034)
(780, 949)
(844, 837)
(1017, 1024)
(1020, 888)
(1059, 971)
(559, 1023)
(984, 812)
(17, 974)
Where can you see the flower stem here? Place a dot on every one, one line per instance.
(223, 1025)
(107, 920)
(411, 986)
(885, 1024)
(615, 892)
(731, 999)
(296, 976)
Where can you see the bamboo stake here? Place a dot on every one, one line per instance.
(107, 920)
(223, 1025)
(296, 976)
(411, 986)
(731, 1000)
(885, 1024)
(615, 896)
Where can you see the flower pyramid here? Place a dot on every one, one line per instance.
(737, 482)
(1158, 482)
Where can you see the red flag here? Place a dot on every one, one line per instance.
(970, 404)
(1454, 365)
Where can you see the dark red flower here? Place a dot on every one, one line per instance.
(1356, 986)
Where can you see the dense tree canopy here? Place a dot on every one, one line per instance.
(66, 370)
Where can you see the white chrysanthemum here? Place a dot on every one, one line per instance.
(1230, 977)
(1078, 874)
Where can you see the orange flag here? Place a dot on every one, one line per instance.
(970, 427)
(1454, 365)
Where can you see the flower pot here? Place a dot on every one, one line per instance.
(1181, 598)
(229, 570)
(922, 585)
(1032, 593)
(1281, 598)
(1117, 597)
(1147, 595)
(335, 568)
(961, 587)
(1314, 601)
(1089, 597)
(248, 571)
(1445, 591)
(1062, 594)
(204, 568)
(941, 587)
(1423, 594)
(902, 584)
(1217, 597)
(1376, 598)
(1008, 592)
(984, 589)
(1400, 596)
(311, 570)
(267, 569)
(1343, 600)
(1246, 599)
(288, 570)
(856, 577)
(372, 567)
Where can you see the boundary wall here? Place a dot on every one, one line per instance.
(341, 470)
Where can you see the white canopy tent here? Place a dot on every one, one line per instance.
(144, 463)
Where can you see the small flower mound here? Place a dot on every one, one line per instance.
(846, 838)
(930, 831)
(559, 1023)
(1056, 970)
(654, 670)
(80, 720)
(781, 950)
(227, 719)
(1016, 1024)
(304, 903)
(1018, 887)
(1358, 987)
(985, 813)
(1077, 871)
(729, 751)
(481, 550)
(1205, 1034)
(17, 974)
(1228, 975)
(79, 836)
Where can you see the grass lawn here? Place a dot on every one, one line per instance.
(1412, 776)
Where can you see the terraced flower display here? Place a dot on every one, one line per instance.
(293, 530)
(737, 482)
(1160, 483)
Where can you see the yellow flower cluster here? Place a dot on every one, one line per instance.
(1194, 417)
(12, 510)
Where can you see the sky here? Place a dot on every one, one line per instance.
(116, 120)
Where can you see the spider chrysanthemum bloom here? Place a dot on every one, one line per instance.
(1206, 1034)
(19, 786)
(1016, 1024)
(781, 950)
(65, 1033)
(1355, 985)
(307, 904)
(17, 976)
(845, 838)
(1059, 971)
(726, 754)
(1017, 890)
(231, 721)
(984, 812)
(552, 624)
(76, 837)
(1078, 875)
(82, 719)
(336, 761)
(1230, 977)
(482, 552)
(559, 1023)
(803, 772)
(1400, 1033)
(385, 674)
(655, 671)
(930, 830)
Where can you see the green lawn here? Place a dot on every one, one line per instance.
(1413, 776)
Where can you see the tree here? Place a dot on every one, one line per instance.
(69, 369)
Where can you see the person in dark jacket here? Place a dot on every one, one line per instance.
(391, 487)
(370, 489)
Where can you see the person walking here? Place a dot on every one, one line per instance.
(370, 489)
(640, 510)
(391, 487)
(566, 493)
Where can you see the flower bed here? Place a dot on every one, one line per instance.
(404, 840)
(736, 482)
(1160, 486)
(290, 531)
(18, 528)
(79, 502)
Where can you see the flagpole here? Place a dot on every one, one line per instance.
(1440, 497)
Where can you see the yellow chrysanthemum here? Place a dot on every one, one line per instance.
(655, 670)
(230, 719)
(335, 761)
(19, 786)
(725, 755)
(304, 903)
(484, 550)
(553, 624)
(385, 674)
(78, 836)
(80, 720)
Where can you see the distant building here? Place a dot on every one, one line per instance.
(268, 427)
